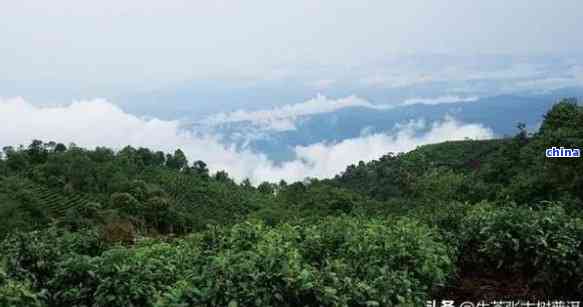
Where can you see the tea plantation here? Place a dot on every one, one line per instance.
(467, 220)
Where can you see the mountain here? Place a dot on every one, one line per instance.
(499, 113)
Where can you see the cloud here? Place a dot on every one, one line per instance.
(100, 123)
(545, 85)
(439, 100)
(328, 159)
(509, 72)
(395, 80)
(283, 118)
(571, 76)
(467, 72)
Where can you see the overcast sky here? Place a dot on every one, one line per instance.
(132, 43)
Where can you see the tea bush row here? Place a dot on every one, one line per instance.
(338, 262)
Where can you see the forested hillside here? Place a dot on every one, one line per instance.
(464, 220)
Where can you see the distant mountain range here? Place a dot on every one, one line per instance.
(386, 81)
(499, 113)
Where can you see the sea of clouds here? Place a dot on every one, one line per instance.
(91, 123)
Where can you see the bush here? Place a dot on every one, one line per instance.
(118, 277)
(118, 231)
(35, 256)
(544, 243)
(16, 294)
(377, 262)
(447, 217)
(248, 265)
(439, 184)
(74, 281)
(133, 277)
(339, 262)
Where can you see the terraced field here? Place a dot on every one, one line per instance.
(56, 202)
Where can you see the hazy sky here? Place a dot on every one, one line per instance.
(115, 44)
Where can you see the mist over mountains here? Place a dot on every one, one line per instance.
(277, 136)
(388, 80)
(310, 120)
(278, 110)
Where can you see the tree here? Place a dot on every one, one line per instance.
(16, 160)
(102, 154)
(60, 147)
(139, 189)
(564, 114)
(222, 176)
(177, 161)
(159, 214)
(126, 203)
(200, 169)
(266, 188)
(246, 184)
(159, 159)
(37, 152)
(3, 168)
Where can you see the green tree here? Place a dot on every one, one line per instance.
(177, 161)
(200, 169)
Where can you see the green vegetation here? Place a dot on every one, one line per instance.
(545, 243)
(96, 227)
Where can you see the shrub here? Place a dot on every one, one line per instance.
(118, 231)
(339, 262)
(544, 243)
(120, 276)
(376, 262)
(74, 281)
(17, 294)
(35, 255)
(133, 277)
(447, 217)
(248, 265)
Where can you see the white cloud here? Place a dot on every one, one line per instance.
(545, 85)
(100, 123)
(403, 75)
(283, 118)
(329, 159)
(512, 71)
(395, 80)
(571, 76)
(477, 76)
(439, 100)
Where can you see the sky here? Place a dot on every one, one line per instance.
(109, 45)
(133, 72)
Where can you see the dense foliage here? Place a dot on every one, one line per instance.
(135, 227)
(544, 242)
